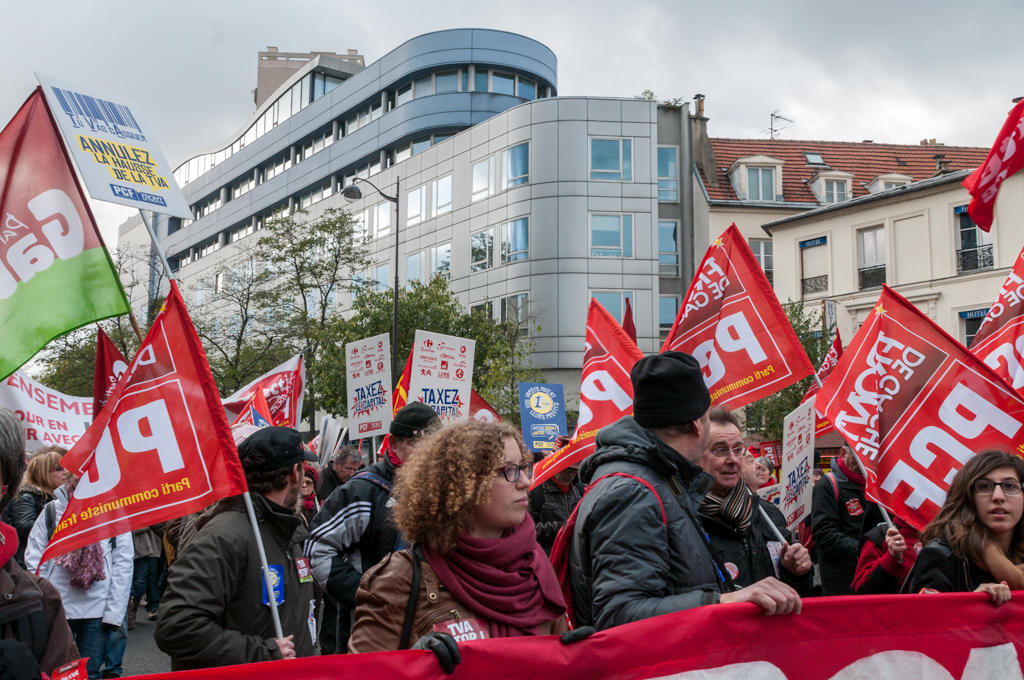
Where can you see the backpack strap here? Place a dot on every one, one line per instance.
(414, 594)
(373, 478)
(834, 484)
(51, 519)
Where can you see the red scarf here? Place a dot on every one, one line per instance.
(509, 580)
(854, 477)
(10, 543)
(394, 458)
(564, 488)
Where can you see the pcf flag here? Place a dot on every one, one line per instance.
(283, 388)
(822, 425)
(606, 392)
(1005, 158)
(110, 366)
(55, 273)
(1000, 340)
(916, 405)
(257, 413)
(160, 449)
(733, 324)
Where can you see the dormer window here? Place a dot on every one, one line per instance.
(887, 182)
(757, 178)
(831, 186)
(835, 191)
(760, 184)
(814, 158)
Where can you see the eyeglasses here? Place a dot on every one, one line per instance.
(1011, 487)
(511, 471)
(722, 452)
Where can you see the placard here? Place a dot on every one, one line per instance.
(442, 374)
(542, 406)
(369, 385)
(797, 459)
(47, 416)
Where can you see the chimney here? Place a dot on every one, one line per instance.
(703, 154)
(941, 164)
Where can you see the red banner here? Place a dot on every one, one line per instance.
(284, 387)
(481, 411)
(160, 449)
(916, 405)
(257, 413)
(824, 425)
(110, 366)
(628, 324)
(957, 636)
(606, 392)
(733, 324)
(1005, 159)
(1000, 340)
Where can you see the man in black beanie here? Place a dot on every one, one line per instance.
(638, 549)
(352, 532)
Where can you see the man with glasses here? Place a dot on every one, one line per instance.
(739, 532)
(353, 530)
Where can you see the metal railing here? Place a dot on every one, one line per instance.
(973, 259)
(815, 284)
(871, 277)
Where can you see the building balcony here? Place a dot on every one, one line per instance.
(814, 285)
(974, 259)
(871, 277)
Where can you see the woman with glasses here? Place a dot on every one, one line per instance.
(977, 533)
(43, 476)
(474, 569)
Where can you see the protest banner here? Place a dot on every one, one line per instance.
(1004, 159)
(369, 386)
(284, 389)
(542, 408)
(110, 366)
(55, 273)
(797, 460)
(47, 416)
(1000, 339)
(257, 413)
(835, 351)
(915, 406)
(958, 636)
(733, 324)
(161, 447)
(115, 150)
(770, 450)
(606, 392)
(771, 493)
(441, 374)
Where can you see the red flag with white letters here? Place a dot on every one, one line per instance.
(733, 324)
(110, 365)
(915, 406)
(1000, 340)
(1004, 159)
(160, 449)
(606, 392)
(823, 425)
(283, 388)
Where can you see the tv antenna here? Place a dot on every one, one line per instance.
(773, 128)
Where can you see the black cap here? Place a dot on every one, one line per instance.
(309, 456)
(280, 447)
(412, 419)
(668, 389)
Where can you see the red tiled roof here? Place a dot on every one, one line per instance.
(829, 440)
(864, 160)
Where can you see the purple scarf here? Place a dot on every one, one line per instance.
(85, 564)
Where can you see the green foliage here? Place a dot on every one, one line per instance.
(671, 104)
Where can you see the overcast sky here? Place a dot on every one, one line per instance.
(888, 71)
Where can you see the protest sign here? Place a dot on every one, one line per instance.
(797, 460)
(915, 406)
(283, 387)
(733, 324)
(47, 416)
(115, 150)
(542, 407)
(369, 386)
(110, 366)
(770, 450)
(1000, 340)
(835, 351)
(1004, 159)
(441, 374)
(771, 493)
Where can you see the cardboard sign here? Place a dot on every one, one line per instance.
(797, 459)
(771, 493)
(368, 363)
(542, 407)
(47, 416)
(770, 450)
(114, 149)
(441, 374)
(463, 630)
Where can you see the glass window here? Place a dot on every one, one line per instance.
(376, 111)
(517, 165)
(441, 261)
(304, 97)
(614, 301)
(421, 87)
(483, 172)
(763, 252)
(835, 191)
(318, 86)
(971, 328)
(481, 250)
(872, 247)
(611, 159)
(465, 80)
(382, 218)
(970, 235)
(668, 249)
(404, 95)
(485, 308)
(403, 153)
(503, 84)
(416, 206)
(668, 307)
(516, 309)
(515, 241)
(419, 145)
(413, 267)
(760, 184)
(480, 84)
(446, 82)
(668, 184)
(611, 236)
(330, 82)
(527, 89)
(380, 275)
(893, 185)
(440, 138)
(814, 158)
(441, 200)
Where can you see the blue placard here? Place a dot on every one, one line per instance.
(975, 314)
(820, 241)
(542, 406)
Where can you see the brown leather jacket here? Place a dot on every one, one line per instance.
(383, 597)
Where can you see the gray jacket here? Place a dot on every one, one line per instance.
(624, 564)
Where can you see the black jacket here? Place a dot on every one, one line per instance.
(328, 484)
(939, 568)
(624, 564)
(837, 532)
(352, 532)
(749, 551)
(27, 506)
(550, 508)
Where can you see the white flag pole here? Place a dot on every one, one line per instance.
(266, 568)
(156, 246)
(885, 513)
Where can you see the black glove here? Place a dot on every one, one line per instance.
(17, 662)
(444, 648)
(578, 634)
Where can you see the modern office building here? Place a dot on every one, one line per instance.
(529, 202)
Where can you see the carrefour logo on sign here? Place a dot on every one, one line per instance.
(542, 402)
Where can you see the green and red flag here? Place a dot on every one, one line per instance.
(55, 273)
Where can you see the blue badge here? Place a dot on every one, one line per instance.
(277, 582)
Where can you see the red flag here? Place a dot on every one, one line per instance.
(627, 322)
(283, 388)
(916, 405)
(481, 411)
(110, 365)
(257, 413)
(733, 324)
(1000, 340)
(606, 392)
(160, 449)
(823, 425)
(1005, 159)
(398, 399)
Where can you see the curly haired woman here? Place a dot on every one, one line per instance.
(463, 505)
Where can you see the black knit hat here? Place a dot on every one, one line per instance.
(412, 419)
(281, 447)
(668, 389)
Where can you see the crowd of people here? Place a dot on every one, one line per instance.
(442, 541)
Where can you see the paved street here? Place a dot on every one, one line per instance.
(142, 656)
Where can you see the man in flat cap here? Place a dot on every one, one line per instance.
(216, 610)
(638, 549)
(352, 532)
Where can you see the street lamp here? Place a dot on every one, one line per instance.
(354, 193)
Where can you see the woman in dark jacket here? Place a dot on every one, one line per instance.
(886, 557)
(308, 506)
(43, 476)
(977, 533)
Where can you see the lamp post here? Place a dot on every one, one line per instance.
(354, 193)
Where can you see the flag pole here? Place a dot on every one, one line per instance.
(266, 568)
(757, 499)
(156, 246)
(885, 513)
